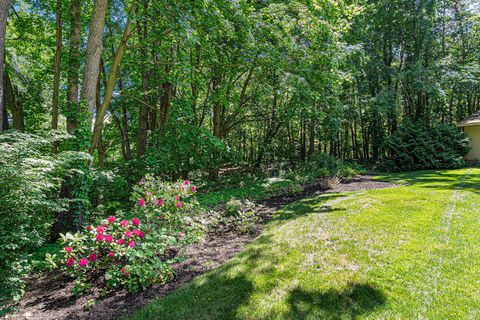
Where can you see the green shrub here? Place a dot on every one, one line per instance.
(347, 172)
(414, 147)
(233, 207)
(324, 166)
(30, 178)
(237, 215)
(109, 192)
(183, 148)
(138, 252)
(245, 221)
(281, 186)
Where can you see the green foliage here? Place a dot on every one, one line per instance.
(30, 178)
(184, 148)
(280, 186)
(232, 207)
(245, 221)
(235, 215)
(110, 191)
(415, 147)
(322, 165)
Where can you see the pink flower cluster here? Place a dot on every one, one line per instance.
(101, 236)
(160, 201)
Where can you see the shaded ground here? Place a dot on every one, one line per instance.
(48, 297)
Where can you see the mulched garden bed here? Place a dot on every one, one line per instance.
(48, 295)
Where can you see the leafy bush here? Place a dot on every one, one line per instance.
(324, 166)
(237, 215)
(245, 221)
(138, 252)
(30, 178)
(110, 191)
(414, 146)
(280, 186)
(183, 148)
(233, 207)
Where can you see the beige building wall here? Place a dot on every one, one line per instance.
(473, 133)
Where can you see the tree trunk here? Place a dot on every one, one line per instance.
(93, 55)
(142, 135)
(73, 65)
(56, 77)
(3, 113)
(311, 148)
(12, 101)
(102, 150)
(4, 9)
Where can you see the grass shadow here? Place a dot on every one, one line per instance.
(307, 206)
(435, 179)
(349, 303)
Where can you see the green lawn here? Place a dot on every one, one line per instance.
(411, 252)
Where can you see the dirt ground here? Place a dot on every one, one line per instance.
(48, 295)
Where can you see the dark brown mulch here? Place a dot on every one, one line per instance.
(48, 296)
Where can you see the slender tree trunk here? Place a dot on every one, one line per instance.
(126, 139)
(122, 136)
(73, 65)
(193, 78)
(311, 148)
(3, 113)
(102, 150)
(142, 135)
(303, 138)
(107, 98)
(165, 105)
(4, 9)
(56, 77)
(12, 101)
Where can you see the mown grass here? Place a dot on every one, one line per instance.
(402, 253)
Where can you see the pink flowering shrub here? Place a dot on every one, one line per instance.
(138, 251)
(169, 206)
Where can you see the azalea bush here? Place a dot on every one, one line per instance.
(139, 251)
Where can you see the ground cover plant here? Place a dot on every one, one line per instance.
(406, 252)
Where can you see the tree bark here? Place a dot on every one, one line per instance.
(73, 65)
(57, 66)
(93, 55)
(107, 98)
(4, 9)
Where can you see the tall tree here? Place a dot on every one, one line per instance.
(57, 68)
(74, 64)
(4, 10)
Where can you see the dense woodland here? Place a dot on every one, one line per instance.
(195, 85)
(103, 92)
